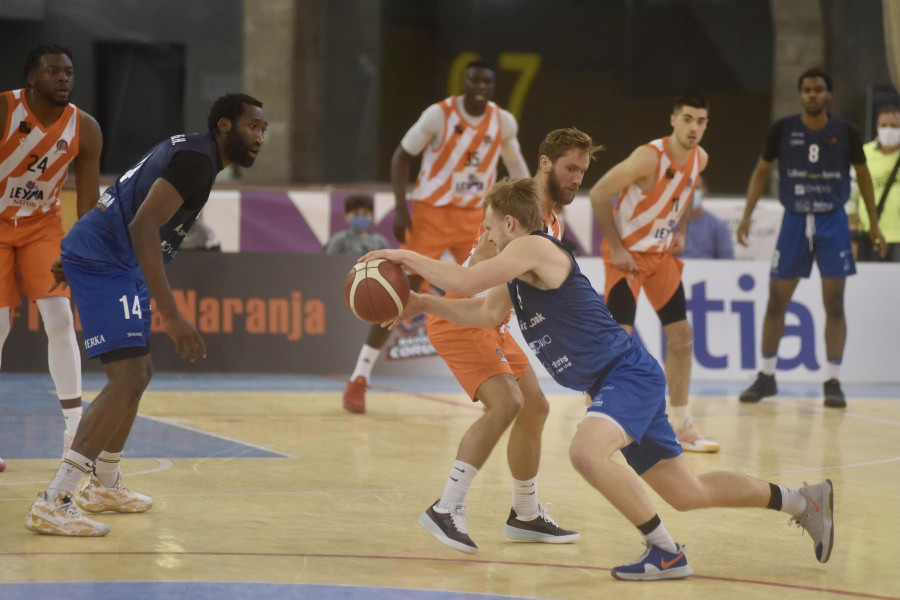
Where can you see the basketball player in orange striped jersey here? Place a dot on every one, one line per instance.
(642, 235)
(43, 134)
(461, 140)
(491, 368)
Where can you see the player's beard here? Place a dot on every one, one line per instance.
(560, 196)
(237, 150)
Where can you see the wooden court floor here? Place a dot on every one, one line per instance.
(282, 494)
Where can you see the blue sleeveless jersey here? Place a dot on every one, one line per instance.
(814, 166)
(569, 328)
(102, 234)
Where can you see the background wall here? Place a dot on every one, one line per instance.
(341, 91)
(342, 80)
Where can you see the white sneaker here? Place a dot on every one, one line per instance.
(61, 517)
(818, 518)
(92, 496)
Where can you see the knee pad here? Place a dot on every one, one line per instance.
(56, 312)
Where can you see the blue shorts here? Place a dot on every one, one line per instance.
(113, 305)
(634, 396)
(823, 236)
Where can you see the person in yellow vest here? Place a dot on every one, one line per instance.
(43, 133)
(882, 157)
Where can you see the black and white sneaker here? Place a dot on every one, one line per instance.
(448, 526)
(834, 396)
(539, 529)
(763, 387)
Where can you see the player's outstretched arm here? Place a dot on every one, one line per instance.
(480, 312)
(447, 276)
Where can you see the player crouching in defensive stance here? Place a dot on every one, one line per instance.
(567, 325)
(113, 260)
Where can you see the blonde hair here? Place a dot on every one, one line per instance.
(559, 141)
(518, 199)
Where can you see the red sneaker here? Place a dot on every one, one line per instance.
(355, 395)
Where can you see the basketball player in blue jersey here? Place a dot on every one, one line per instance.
(814, 152)
(113, 261)
(569, 328)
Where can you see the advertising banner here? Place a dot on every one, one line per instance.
(285, 313)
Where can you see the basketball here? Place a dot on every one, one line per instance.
(376, 291)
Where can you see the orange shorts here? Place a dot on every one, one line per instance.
(659, 274)
(438, 229)
(28, 247)
(475, 355)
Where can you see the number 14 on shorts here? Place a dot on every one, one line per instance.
(135, 307)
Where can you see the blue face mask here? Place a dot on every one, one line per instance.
(360, 223)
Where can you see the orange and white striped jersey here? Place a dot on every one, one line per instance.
(34, 161)
(462, 167)
(646, 220)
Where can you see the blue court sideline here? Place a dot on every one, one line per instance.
(185, 590)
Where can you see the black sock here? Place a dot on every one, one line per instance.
(775, 498)
(650, 525)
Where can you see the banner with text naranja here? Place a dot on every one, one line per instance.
(285, 313)
(264, 313)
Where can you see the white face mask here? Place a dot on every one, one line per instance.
(889, 137)
(698, 199)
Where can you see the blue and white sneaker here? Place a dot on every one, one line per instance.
(655, 564)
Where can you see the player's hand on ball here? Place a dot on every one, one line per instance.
(395, 256)
(412, 308)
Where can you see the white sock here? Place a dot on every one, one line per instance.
(833, 368)
(368, 356)
(461, 476)
(767, 365)
(70, 473)
(680, 416)
(660, 537)
(792, 501)
(525, 501)
(107, 468)
(73, 418)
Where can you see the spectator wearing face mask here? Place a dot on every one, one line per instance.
(708, 235)
(883, 158)
(359, 212)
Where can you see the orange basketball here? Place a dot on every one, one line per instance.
(376, 291)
